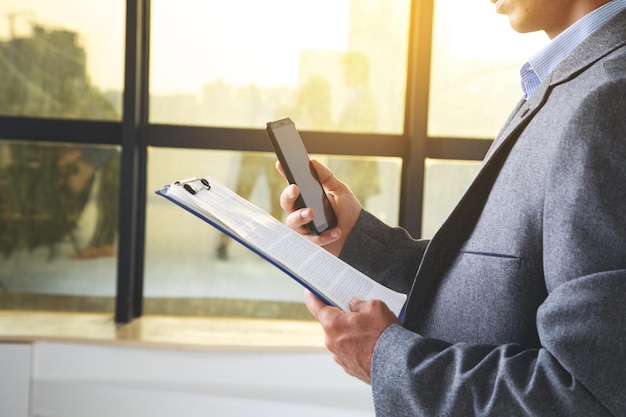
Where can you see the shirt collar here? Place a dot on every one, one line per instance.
(540, 65)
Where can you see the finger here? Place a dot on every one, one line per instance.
(326, 176)
(288, 198)
(313, 303)
(299, 218)
(327, 237)
(280, 169)
(324, 313)
(356, 303)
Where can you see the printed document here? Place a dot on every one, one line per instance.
(333, 280)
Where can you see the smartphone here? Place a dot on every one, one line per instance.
(295, 161)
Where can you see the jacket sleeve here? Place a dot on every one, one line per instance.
(386, 254)
(579, 371)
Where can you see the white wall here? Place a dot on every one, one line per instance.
(15, 361)
(73, 380)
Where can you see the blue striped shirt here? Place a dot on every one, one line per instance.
(542, 64)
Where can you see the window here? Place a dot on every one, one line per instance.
(192, 269)
(400, 119)
(212, 65)
(333, 65)
(58, 216)
(60, 194)
(445, 182)
(59, 64)
(475, 69)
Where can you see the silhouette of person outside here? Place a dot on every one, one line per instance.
(358, 115)
(102, 240)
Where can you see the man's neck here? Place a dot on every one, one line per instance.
(577, 11)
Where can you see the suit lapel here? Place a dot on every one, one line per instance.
(524, 111)
(453, 233)
(605, 40)
(495, 157)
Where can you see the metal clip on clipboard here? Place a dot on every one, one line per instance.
(187, 186)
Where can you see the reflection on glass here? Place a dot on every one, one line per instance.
(192, 269)
(59, 218)
(61, 59)
(375, 181)
(213, 65)
(445, 184)
(476, 58)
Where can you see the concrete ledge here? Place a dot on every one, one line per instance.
(162, 331)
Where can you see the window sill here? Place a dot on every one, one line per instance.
(162, 331)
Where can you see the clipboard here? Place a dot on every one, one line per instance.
(331, 279)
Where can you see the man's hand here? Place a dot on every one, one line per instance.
(351, 336)
(346, 206)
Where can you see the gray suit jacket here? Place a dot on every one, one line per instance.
(517, 306)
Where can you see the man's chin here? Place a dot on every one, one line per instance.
(520, 27)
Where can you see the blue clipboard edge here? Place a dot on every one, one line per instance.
(163, 192)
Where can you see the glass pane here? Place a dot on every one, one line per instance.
(476, 58)
(62, 59)
(374, 180)
(327, 64)
(192, 269)
(59, 219)
(445, 183)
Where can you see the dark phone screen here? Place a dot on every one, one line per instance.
(295, 161)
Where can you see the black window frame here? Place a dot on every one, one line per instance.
(135, 134)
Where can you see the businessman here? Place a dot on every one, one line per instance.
(517, 306)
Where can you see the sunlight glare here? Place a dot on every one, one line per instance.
(260, 41)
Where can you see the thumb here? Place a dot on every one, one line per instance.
(355, 303)
(325, 175)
